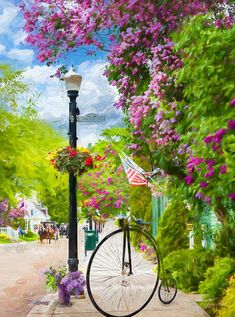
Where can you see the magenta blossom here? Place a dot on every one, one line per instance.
(208, 139)
(209, 174)
(189, 180)
(203, 184)
(232, 103)
(232, 196)
(231, 124)
(223, 169)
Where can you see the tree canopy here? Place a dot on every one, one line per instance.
(173, 65)
(25, 141)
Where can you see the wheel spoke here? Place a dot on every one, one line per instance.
(112, 290)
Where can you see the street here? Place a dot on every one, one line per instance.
(21, 273)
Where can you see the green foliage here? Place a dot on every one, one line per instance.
(225, 236)
(227, 303)
(24, 144)
(207, 79)
(26, 238)
(216, 278)
(188, 267)
(29, 234)
(173, 234)
(56, 198)
(54, 276)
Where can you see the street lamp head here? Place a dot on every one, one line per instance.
(73, 82)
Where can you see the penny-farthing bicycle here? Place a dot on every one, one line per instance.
(120, 280)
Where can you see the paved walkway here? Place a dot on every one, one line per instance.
(184, 305)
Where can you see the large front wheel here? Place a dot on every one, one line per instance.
(110, 286)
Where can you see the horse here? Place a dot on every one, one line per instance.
(47, 233)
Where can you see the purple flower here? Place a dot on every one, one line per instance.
(203, 184)
(207, 199)
(199, 195)
(232, 103)
(143, 247)
(223, 169)
(209, 174)
(188, 180)
(208, 139)
(232, 196)
(231, 124)
(192, 162)
(219, 135)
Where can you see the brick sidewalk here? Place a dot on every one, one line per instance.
(183, 306)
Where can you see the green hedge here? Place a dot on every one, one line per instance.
(227, 308)
(188, 267)
(216, 278)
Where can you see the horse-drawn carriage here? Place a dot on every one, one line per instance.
(48, 231)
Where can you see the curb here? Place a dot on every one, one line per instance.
(47, 310)
(40, 308)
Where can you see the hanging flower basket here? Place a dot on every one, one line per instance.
(69, 160)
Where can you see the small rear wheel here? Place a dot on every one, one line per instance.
(167, 290)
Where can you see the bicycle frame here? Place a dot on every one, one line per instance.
(126, 243)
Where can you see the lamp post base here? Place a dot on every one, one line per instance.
(73, 264)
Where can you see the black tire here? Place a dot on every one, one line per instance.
(111, 290)
(167, 290)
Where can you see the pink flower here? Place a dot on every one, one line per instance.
(207, 199)
(232, 196)
(232, 103)
(208, 139)
(209, 174)
(189, 180)
(203, 184)
(231, 124)
(223, 169)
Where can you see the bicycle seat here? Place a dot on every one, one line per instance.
(142, 222)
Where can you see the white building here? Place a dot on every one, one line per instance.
(36, 213)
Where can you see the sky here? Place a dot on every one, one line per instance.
(95, 95)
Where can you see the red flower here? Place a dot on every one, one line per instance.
(73, 153)
(89, 161)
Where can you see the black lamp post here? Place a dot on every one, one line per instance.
(73, 83)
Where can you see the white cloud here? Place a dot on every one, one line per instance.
(7, 16)
(23, 56)
(18, 37)
(96, 95)
(2, 49)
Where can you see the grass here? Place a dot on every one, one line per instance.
(29, 239)
(6, 239)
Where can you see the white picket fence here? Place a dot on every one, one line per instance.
(13, 234)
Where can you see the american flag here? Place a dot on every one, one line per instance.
(133, 172)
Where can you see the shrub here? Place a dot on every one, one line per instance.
(29, 234)
(5, 238)
(216, 278)
(175, 237)
(227, 308)
(225, 240)
(188, 267)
